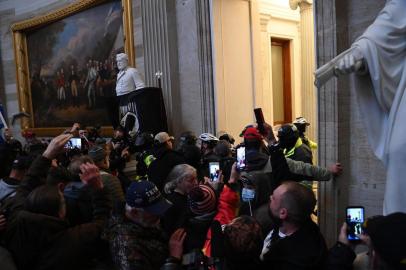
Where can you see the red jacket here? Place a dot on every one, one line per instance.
(227, 211)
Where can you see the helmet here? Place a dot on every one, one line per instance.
(207, 137)
(188, 137)
(144, 140)
(301, 124)
(301, 121)
(288, 135)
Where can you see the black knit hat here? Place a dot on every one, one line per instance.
(388, 236)
(22, 163)
(202, 200)
(97, 153)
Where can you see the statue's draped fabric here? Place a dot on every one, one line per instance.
(382, 97)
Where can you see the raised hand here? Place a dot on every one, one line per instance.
(176, 243)
(75, 129)
(56, 146)
(91, 175)
(343, 236)
(235, 175)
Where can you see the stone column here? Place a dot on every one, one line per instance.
(177, 42)
(160, 51)
(203, 22)
(307, 66)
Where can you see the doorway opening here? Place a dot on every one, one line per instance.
(281, 81)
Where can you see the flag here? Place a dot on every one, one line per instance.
(3, 123)
(150, 109)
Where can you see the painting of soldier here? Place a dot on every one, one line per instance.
(72, 68)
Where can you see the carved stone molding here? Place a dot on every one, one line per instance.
(277, 12)
(264, 20)
(300, 3)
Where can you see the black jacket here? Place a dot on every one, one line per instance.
(176, 216)
(340, 257)
(35, 177)
(191, 154)
(303, 250)
(196, 231)
(163, 164)
(44, 242)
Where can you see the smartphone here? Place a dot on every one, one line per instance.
(355, 217)
(74, 143)
(214, 170)
(241, 158)
(259, 117)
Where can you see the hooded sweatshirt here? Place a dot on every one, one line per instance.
(8, 187)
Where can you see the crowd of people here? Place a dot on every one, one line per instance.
(148, 202)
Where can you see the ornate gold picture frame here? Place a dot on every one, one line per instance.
(53, 72)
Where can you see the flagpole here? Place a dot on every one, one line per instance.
(2, 120)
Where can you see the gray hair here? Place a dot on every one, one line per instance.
(122, 56)
(178, 174)
(74, 166)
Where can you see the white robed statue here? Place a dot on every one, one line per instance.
(128, 81)
(381, 52)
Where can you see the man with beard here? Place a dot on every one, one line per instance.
(295, 242)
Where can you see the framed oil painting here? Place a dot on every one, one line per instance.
(66, 64)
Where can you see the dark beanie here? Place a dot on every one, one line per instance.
(97, 153)
(388, 236)
(202, 200)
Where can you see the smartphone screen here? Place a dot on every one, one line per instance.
(214, 170)
(355, 218)
(74, 143)
(240, 158)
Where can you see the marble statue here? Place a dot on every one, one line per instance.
(128, 78)
(381, 52)
(128, 81)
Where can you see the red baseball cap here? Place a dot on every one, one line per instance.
(252, 133)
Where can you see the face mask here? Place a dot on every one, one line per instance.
(247, 194)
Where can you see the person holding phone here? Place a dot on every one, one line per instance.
(385, 238)
(224, 150)
(255, 167)
(208, 143)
